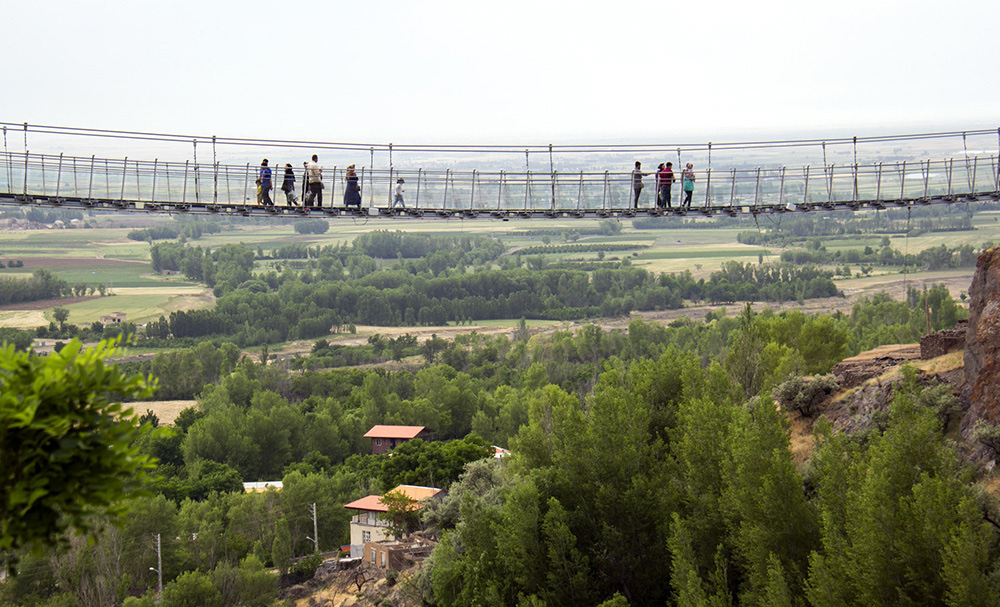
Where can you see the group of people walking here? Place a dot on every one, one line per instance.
(313, 184)
(313, 195)
(664, 185)
(352, 185)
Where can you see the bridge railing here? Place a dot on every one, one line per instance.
(141, 183)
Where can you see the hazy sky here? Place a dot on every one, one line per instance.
(502, 72)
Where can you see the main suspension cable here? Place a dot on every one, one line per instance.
(488, 148)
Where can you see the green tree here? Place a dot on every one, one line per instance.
(207, 476)
(281, 548)
(60, 315)
(436, 463)
(744, 360)
(401, 513)
(246, 585)
(898, 525)
(764, 503)
(568, 569)
(329, 493)
(34, 583)
(66, 445)
(21, 339)
(192, 589)
(823, 343)
(690, 589)
(95, 573)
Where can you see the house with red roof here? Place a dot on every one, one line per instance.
(366, 526)
(387, 438)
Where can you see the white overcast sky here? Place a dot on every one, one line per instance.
(510, 71)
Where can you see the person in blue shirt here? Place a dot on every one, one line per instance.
(264, 181)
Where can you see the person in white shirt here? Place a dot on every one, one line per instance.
(398, 199)
(314, 181)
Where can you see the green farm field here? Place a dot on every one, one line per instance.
(101, 256)
(105, 256)
(102, 243)
(141, 305)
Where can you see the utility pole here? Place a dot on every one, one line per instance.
(315, 537)
(927, 309)
(159, 570)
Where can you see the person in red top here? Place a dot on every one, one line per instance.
(664, 183)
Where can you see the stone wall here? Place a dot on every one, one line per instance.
(937, 344)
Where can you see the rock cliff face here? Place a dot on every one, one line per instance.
(982, 343)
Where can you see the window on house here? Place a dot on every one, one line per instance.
(373, 556)
(383, 559)
(366, 536)
(378, 442)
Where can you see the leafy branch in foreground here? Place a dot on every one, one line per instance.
(66, 444)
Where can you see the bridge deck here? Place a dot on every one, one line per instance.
(253, 210)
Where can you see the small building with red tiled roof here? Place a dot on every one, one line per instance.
(366, 526)
(387, 438)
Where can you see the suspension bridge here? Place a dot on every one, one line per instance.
(80, 182)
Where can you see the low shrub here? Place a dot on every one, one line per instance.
(805, 394)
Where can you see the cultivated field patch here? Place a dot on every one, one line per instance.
(139, 308)
(895, 284)
(22, 319)
(59, 263)
(165, 410)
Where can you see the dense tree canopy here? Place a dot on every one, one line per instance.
(40, 285)
(686, 497)
(435, 280)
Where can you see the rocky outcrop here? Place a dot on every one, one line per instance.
(982, 343)
(867, 406)
(856, 370)
(937, 344)
(861, 409)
